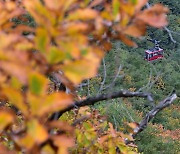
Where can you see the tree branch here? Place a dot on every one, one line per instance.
(102, 97)
(163, 104)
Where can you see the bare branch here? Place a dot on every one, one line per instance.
(88, 87)
(104, 78)
(170, 34)
(102, 97)
(150, 115)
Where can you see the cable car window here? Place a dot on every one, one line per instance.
(155, 54)
(146, 56)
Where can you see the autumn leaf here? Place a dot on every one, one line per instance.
(78, 70)
(42, 39)
(26, 141)
(140, 4)
(38, 83)
(136, 29)
(16, 70)
(55, 102)
(36, 131)
(5, 150)
(15, 97)
(47, 150)
(55, 55)
(41, 105)
(116, 7)
(63, 142)
(54, 4)
(82, 14)
(6, 118)
(57, 5)
(127, 41)
(154, 16)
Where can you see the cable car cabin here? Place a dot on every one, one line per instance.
(153, 54)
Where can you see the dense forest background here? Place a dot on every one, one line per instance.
(125, 68)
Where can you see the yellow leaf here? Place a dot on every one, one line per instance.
(55, 102)
(55, 55)
(42, 40)
(40, 13)
(78, 70)
(15, 97)
(116, 7)
(6, 118)
(27, 141)
(47, 150)
(35, 103)
(36, 131)
(41, 105)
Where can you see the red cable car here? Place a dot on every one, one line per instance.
(154, 53)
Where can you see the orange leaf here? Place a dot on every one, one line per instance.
(136, 30)
(36, 131)
(83, 14)
(15, 97)
(133, 125)
(103, 139)
(63, 126)
(63, 141)
(154, 16)
(112, 130)
(41, 105)
(6, 118)
(26, 141)
(53, 4)
(16, 70)
(127, 41)
(55, 102)
(5, 150)
(140, 4)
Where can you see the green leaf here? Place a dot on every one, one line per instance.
(55, 55)
(42, 39)
(116, 6)
(37, 83)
